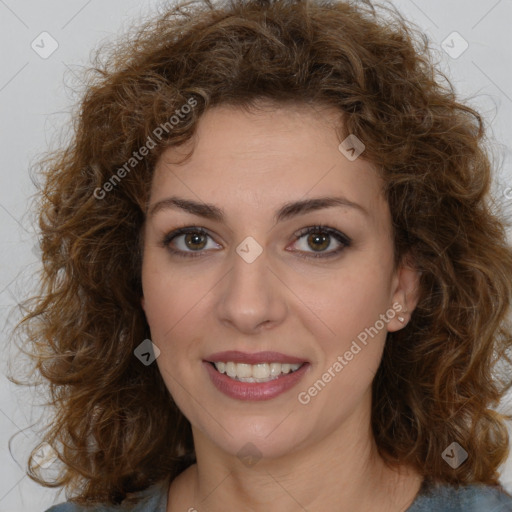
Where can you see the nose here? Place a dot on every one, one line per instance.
(251, 297)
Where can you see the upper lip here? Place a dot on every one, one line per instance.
(258, 357)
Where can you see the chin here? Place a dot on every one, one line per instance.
(260, 437)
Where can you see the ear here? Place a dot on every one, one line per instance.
(405, 293)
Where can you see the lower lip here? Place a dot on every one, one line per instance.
(255, 390)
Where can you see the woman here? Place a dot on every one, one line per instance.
(272, 277)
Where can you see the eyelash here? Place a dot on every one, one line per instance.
(343, 239)
(340, 237)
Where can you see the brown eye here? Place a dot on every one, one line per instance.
(195, 241)
(189, 240)
(319, 242)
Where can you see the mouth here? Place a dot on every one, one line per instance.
(259, 376)
(261, 372)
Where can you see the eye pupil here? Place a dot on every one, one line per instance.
(320, 239)
(194, 239)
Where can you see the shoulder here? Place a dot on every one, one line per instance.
(467, 498)
(152, 499)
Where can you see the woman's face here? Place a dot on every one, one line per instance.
(254, 279)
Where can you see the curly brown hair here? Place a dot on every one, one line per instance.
(116, 428)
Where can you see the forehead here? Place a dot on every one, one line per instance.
(265, 158)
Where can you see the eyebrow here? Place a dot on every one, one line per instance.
(287, 211)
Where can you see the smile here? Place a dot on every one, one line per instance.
(262, 372)
(257, 380)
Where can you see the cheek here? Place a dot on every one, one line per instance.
(170, 305)
(349, 343)
(343, 305)
(345, 319)
(176, 306)
(169, 295)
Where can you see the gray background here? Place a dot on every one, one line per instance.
(35, 101)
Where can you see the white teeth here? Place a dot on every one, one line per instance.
(231, 370)
(261, 372)
(243, 370)
(275, 369)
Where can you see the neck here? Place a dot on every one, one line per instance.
(341, 472)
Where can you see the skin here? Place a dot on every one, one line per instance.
(322, 455)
